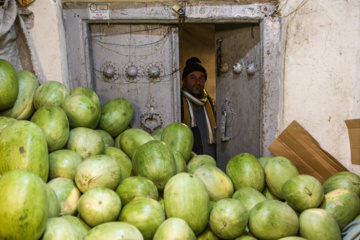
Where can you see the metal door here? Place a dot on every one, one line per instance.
(237, 90)
(138, 62)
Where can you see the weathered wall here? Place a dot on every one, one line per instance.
(49, 39)
(321, 73)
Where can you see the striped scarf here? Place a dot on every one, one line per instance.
(188, 100)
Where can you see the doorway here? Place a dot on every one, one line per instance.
(231, 54)
(257, 114)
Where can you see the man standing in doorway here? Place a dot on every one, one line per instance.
(198, 108)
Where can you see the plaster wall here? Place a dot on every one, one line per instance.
(321, 71)
(321, 59)
(48, 36)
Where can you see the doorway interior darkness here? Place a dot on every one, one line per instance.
(77, 23)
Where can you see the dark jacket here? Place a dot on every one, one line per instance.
(198, 147)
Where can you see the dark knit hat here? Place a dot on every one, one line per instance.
(193, 64)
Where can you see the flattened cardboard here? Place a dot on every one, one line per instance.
(353, 126)
(296, 144)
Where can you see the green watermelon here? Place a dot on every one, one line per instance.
(78, 224)
(60, 229)
(156, 134)
(179, 162)
(92, 95)
(50, 93)
(246, 171)
(179, 137)
(155, 161)
(9, 85)
(117, 141)
(273, 219)
(246, 237)
(186, 197)
(303, 192)
(217, 183)
(23, 146)
(269, 195)
(5, 121)
(23, 106)
(63, 163)
(145, 214)
(249, 197)
(98, 171)
(318, 224)
(99, 205)
(112, 230)
(67, 193)
(228, 218)
(85, 141)
(277, 171)
(136, 187)
(348, 180)
(292, 238)
(131, 139)
(199, 160)
(343, 204)
(23, 205)
(107, 138)
(54, 205)
(264, 160)
(208, 234)
(81, 111)
(116, 116)
(174, 229)
(123, 160)
(54, 123)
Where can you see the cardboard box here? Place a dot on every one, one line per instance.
(296, 144)
(354, 138)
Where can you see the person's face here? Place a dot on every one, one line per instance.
(194, 83)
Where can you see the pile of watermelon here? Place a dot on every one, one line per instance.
(73, 169)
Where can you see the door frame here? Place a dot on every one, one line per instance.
(76, 20)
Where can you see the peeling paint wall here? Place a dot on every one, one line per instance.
(321, 71)
(321, 65)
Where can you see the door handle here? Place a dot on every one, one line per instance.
(224, 138)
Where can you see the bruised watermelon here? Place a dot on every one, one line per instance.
(23, 146)
(67, 193)
(98, 171)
